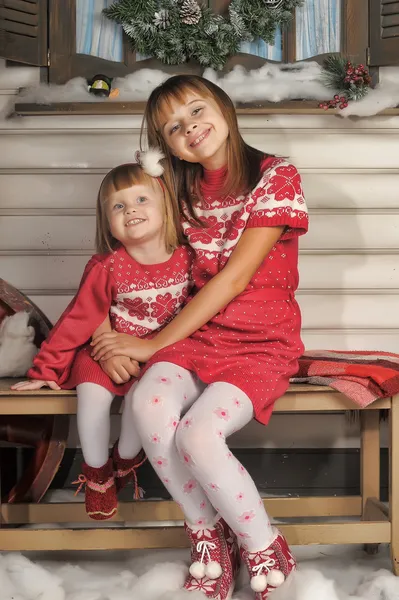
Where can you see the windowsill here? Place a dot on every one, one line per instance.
(112, 107)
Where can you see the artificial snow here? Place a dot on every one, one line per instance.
(384, 95)
(135, 87)
(325, 573)
(273, 83)
(270, 83)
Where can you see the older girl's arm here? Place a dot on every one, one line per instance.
(252, 249)
(105, 327)
(119, 368)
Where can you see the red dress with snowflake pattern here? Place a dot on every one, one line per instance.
(141, 299)
(254, 342)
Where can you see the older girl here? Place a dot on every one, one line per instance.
(229, 354)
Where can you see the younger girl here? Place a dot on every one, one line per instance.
(229, 354)
(141, 277)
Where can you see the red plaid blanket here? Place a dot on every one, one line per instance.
(361, 376)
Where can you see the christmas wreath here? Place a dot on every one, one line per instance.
(175, 31)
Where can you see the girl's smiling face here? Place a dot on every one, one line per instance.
(136, 214)
(196, 131)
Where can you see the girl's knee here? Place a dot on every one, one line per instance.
(139, 406)
(151, 409)
(92, 395)
(192, 442)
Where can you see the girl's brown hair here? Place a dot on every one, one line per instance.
(243, 161)
(121, 178)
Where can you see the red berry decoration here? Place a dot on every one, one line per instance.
(351, 81)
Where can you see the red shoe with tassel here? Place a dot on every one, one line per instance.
(125, 470)
(100, 491)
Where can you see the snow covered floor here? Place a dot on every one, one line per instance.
(325, 573)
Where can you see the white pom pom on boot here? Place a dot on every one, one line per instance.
(214, 559)
(259, 583)
(197, 570)
(275, 578)
(269, 568)
(213, 570)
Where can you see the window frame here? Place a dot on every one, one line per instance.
(66, 63)
(354, 37)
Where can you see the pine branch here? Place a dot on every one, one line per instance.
(171, 30)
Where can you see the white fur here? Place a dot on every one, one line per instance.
(150, 162)
(17, 349)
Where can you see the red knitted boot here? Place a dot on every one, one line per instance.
(215, 560)
(100, 493)
(268, 569)
(125, 470)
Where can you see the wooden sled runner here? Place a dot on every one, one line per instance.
(46, 435)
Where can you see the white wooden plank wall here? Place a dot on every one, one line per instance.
(50, 169)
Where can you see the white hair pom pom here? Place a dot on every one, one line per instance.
(150, 161)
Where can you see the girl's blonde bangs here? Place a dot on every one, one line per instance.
(124, 177)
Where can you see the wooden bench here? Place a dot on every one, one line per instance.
(374, 523)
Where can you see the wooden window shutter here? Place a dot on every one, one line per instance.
(23, 31)
(384, 33)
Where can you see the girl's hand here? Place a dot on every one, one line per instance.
(120, 368)
(107, 345)
(34, 384)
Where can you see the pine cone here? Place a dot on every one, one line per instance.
(161, 19)
(190, 12)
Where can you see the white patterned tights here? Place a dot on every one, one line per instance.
(183, 425)
(94, 425)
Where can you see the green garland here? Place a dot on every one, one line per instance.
(175, 31)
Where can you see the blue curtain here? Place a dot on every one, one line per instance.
(95, 34)
(318, 28)
(260, 48)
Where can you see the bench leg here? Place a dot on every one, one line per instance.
(369, 464)
(394, 482)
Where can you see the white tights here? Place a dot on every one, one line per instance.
(94, 425)
(190, 453)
